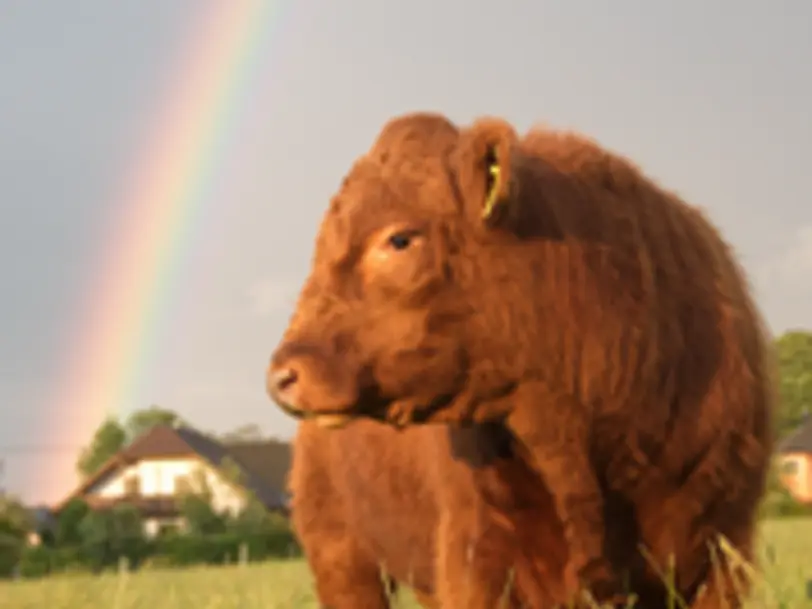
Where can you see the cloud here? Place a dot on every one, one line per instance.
(268, 295)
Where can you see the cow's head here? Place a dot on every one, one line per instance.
(396, 292)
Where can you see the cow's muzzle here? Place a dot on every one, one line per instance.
(291, 375)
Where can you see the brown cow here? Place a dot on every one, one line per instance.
(547, 286)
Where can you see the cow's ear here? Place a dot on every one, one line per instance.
(486, 164)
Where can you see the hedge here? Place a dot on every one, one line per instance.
(183, 550)
(170, 551)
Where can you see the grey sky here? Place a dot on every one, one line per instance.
(712, 99)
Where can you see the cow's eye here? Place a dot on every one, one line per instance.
(401, 240)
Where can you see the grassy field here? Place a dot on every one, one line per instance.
(787, 565)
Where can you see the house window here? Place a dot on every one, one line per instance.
(132, 486)
(790, 467)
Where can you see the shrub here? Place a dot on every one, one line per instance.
(38, 561)
(200, 516)
(780, 504)
(102, 537)
(183, 550)
(111, 534)
(15, 523)
(68, 522)
(11, 548)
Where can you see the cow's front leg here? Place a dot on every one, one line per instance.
(553, 431)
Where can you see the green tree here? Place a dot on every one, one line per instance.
(794, 354)
(15, 516)
(96, 531)
(15, 524)
(112, 436)
(68, 531)
(128, 531)
(200, 516)
(254, 519)
(112, 533)
(197, 509)
(109, 438)
(141, 421)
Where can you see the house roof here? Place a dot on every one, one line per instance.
(257, 460)
(264, 464)
(269, 459)
(800, 440)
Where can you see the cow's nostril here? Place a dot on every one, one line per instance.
(282, 387)
(285, 378)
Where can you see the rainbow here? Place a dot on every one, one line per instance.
(158, 207)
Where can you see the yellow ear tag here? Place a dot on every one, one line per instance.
(490, 201)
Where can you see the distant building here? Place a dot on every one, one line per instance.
(795, 462)
(154, 470)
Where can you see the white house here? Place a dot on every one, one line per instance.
(165, 462)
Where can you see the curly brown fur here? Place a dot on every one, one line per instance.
(601, 319)
(369, 500)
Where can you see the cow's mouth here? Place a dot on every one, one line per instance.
(324, 419)
(372, 406)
